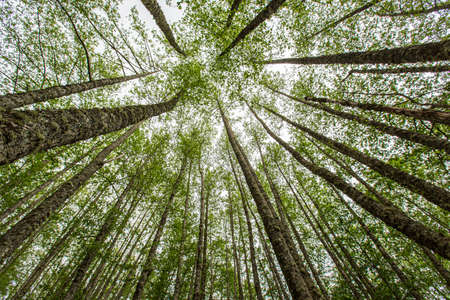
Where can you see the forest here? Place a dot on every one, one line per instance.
(224, 149)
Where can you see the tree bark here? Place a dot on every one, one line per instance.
(11, 101)
(434, 116)
(390, 215)
(256, 281)
(286, 231)
(147, 266)
(413, 13)
(34, 219)
(25, 132)
(204, 268)
(42, 187)
(177, 288)
(201, 227)
(432, 69)
(294, 279)
(263, 15)
(237, 263)
(400, 274)
(157, 13)
(416, 137)
(428, 52)
(429, 191)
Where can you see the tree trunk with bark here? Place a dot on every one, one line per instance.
(237, 263)
(263, 15)
(25, 132)
(256, 281)
(272, 225)
(13, 238)
(201, 227)
(178, 283)
(428, 52)
(431, 69)
(11, 101)
(91, 252)
(157, 13)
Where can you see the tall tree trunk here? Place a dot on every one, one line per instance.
(272, 225)
(247, 270)
(178, 284)
(147, 266)
(431, 69)
(201, 227)
(329, 247)
(416, 137)
(34, 219)
(346, 17)
(286, 231)
(437, 51)
(99, 239)
(157, 13)
(262, 16)
(281, 290)
(233, 9)
(416, 12)
(53, 251)
(390, 215)
(368, 286)
(40, 130)
(237, 263)
(205, 247)
(256, 281)
(302, 245)
(10, 101)
(431, 192)
(434, 116)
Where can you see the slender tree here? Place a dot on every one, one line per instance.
(430, 69)
(233, 9)
(178, 283)
(416, 12)
(10, 101)
(294, 279)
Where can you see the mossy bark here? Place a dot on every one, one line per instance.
(25, 132)
(437, 51)
(10, 101)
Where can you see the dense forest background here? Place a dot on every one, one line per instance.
(218, 149)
